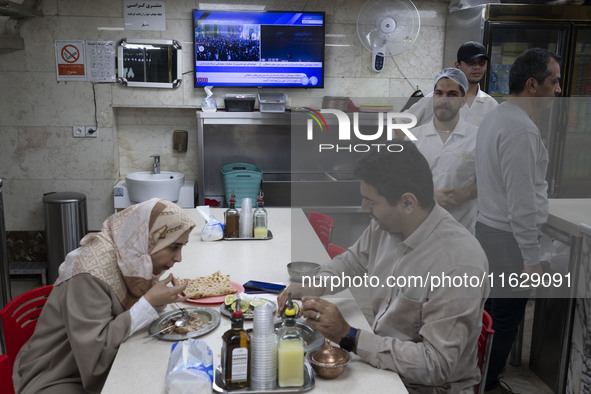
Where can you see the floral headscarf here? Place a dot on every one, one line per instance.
(120, 254)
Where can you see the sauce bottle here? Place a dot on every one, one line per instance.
(290, 350)
(236, 353)
(232, 219)
(260, 219)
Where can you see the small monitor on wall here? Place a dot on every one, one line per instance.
(259, 49)
(149, 63)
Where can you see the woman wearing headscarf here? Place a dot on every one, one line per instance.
(106, 290)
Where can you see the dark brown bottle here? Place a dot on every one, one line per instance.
(236, 353)
(232, 219)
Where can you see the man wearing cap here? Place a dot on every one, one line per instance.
(472, 60)
(448, 143)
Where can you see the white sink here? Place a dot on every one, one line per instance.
(144, 185)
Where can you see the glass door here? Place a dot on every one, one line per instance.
(573, 179)
(507, 40)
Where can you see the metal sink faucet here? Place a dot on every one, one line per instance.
(156, 163)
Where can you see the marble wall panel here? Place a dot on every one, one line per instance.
(432, 13)
(146, 97)
(23, 201)
(108, 8)
(179, 10)
(52, 153)
(156, 117)
(138, 143)
(48, 7)
(37, 99)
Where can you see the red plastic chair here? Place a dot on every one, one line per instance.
(484, 345)
(334, 250)
(19, 318)
(6, 385)
(323, 225)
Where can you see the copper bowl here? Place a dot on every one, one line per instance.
(329, 362)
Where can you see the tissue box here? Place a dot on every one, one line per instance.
(239, 103)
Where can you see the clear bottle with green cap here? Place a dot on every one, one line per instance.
(290, 350)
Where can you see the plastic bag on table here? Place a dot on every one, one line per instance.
(190, 368)
(213, 230)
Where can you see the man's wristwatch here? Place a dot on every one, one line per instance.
(348, 342)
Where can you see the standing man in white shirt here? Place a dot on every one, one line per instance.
(473, 61)
(511, 163)
(448, 143)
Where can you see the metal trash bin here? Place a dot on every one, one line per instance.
(66, 223)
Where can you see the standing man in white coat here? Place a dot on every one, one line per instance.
(448, 143)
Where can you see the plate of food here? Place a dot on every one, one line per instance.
(247, 304)
(202, 320)
(210, 289)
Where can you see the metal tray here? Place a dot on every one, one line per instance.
(269, 236)
(208, 314)
(248, 315)
(309, 382)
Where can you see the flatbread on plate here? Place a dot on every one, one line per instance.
(213, 285)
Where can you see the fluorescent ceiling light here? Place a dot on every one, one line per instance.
(230, 7)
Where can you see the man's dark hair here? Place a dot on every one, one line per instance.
(533, 63)
(396, 173)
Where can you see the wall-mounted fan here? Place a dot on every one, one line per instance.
(387, 27)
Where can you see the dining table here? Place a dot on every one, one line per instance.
(141, 363)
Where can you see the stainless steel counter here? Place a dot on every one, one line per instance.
(554, 314)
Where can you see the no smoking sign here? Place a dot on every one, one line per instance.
(69, 56)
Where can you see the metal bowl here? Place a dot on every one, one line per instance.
(297, 269)
(329, 362)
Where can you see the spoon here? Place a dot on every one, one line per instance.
(181, 321)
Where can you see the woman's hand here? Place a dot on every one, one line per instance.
(161, 293)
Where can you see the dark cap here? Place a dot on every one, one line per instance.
(470, 51)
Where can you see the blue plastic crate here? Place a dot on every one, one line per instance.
(242, 178)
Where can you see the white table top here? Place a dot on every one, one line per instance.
(140, 365)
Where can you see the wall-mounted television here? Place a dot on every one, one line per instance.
(259, 49)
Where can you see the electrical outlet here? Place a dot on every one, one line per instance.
(78, 131)
(91, 131)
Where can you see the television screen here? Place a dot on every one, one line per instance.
(259, 49)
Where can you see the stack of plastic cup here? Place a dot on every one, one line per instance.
(245, 230)
(263, 347)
